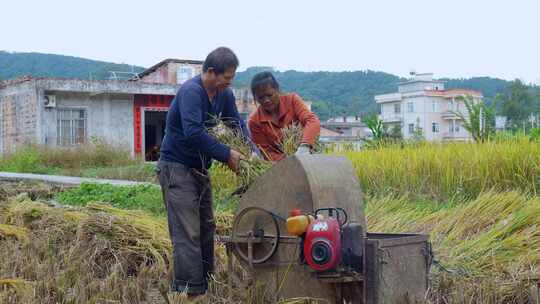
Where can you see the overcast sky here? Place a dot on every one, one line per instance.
(455, 38)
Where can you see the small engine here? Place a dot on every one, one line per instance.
(329, 243)
(322, 244)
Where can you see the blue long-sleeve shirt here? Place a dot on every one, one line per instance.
(186, 140)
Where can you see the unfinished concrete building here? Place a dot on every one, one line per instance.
(68, 112)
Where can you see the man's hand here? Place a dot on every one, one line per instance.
(304, 149)
(234, 161)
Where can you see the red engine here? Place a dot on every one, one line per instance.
(322, 244)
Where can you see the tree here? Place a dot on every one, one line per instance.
(516, 104)
(322, 109)
(480, 121)
(418, 132)
(375, 125)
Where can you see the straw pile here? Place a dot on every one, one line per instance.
(96, 254)
(60, 255)
(489, 246)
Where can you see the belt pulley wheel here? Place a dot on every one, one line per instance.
(255, 235)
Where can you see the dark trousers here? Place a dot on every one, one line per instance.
(187, 194)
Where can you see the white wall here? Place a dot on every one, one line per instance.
(109, 117)
(423, 110)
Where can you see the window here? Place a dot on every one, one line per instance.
(454, 105)
(411, 128)
(71, 127)
(435, 127)
(435, 106)
(410, 107)
(397, 108)
(183, 74)
(453, 127)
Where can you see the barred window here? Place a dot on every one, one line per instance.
(435, 127)
(71, 127)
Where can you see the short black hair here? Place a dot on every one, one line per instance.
(220, 60)
(263, 79)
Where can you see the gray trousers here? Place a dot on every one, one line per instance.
(187, 194)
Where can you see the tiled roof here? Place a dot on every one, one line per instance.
(453, 93)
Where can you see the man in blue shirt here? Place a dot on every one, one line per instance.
(186, 155)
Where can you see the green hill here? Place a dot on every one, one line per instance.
(13, 65)
(335, 93)
(332, 93)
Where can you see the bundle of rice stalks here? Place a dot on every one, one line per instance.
(291, 138)
(250, 168)
(230, 137)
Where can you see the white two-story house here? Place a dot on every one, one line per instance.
(423, 104)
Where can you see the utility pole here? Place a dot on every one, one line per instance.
(481, 126)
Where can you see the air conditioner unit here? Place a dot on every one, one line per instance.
(50, 101)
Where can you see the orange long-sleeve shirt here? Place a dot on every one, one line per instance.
(266, 133)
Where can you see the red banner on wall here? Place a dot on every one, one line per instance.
(156, 102)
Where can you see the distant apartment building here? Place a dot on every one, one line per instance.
(344, 131)
(422, 104)
(347, 126)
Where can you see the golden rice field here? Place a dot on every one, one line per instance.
(443, 171)
(478, 202)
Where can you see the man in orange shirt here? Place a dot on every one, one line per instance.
(277, 111)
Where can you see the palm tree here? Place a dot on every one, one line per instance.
(375, 125)
(481, 119)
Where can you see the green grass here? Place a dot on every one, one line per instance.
(93, 160)
(141, 197)
(24, 160)
(149, 197)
